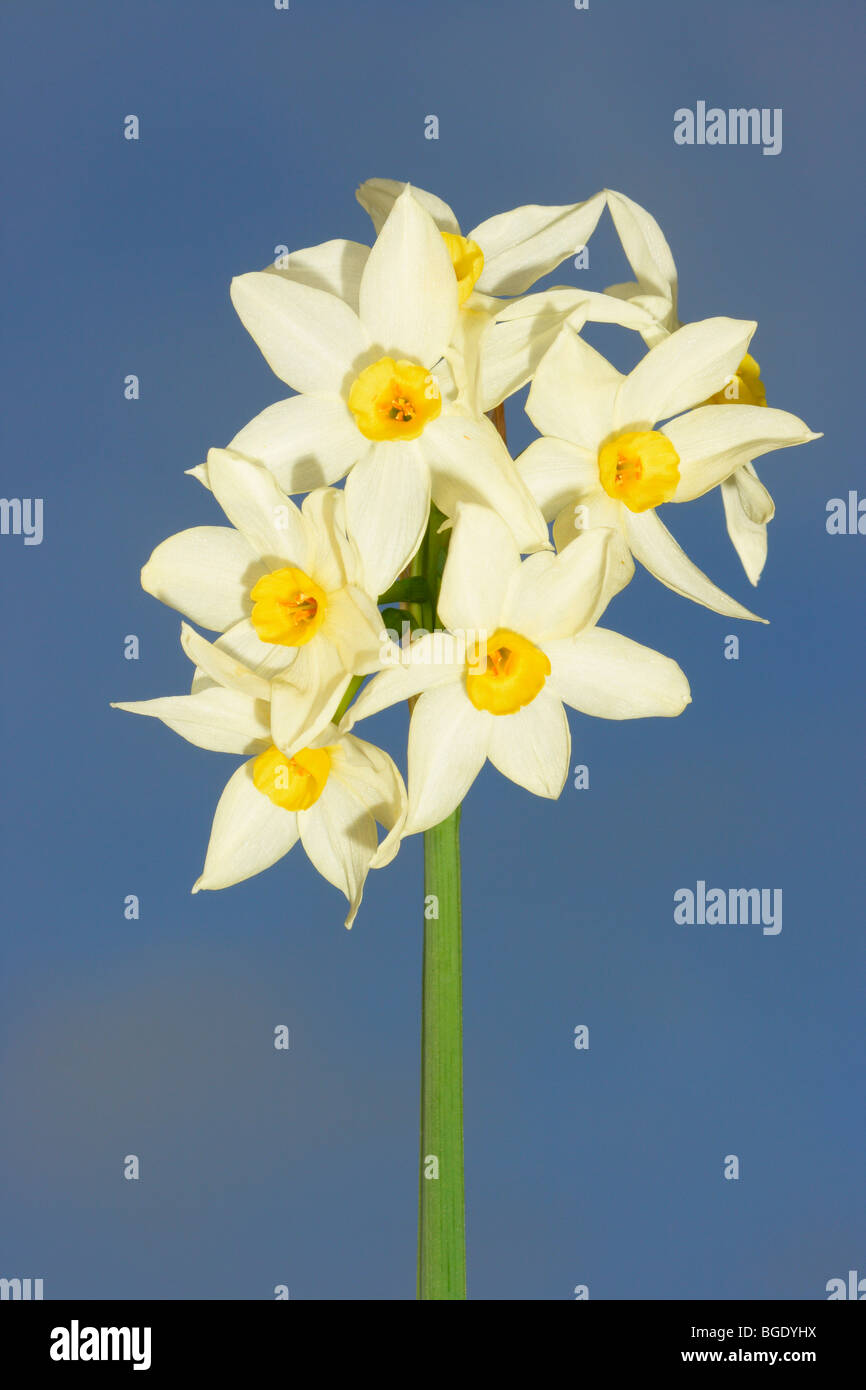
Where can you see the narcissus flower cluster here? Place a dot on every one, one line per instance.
(397, 355)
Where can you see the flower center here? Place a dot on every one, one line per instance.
(394, 400)
(288, 607)
(505, 673)
(295, 783)
(746, 388)
(640, 469)
(467, 259)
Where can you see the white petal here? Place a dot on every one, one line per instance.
(468, 462)
(554, 596)
(409, 289)
(646, 248)
(378, 196)
(483, 560)
(589, 511)
(387, 505)
(533, 746)
(522, 245)
(556, 472)
(609, 676)
(523, 332)
(339, 836)
(681, 371)
(373, 779)
(335, 266)
(224, 721)
(436, 659)
(754, 497)
(654, 546)
(249, 833)
(335, 560)
(573, 394)
(749, 538)
(304, 699)
(220, 666)
(448, 741)
(254, 502)
(207, 573)
(311, 340)
(353, 624)
(306, 441)
(243, 644)
(715, 440)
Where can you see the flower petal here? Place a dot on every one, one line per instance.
(310, 339)
(654, 546)
(646, 249)
(249, 833)
(533, 746)
(304, 699)
(554, 596)
(254, 502)
(523, 332)
(573, 393)
(353, 624)
(334, 266)
(448, 741)
(387, 506)
(373, 779)
(606, 675)
(306, 441)
(434, 659)
(224, 721)
(243, 644)
(522, 245)
(748, 537)
(715, 440)
(409, 289)
(556, 472)
(339, 836)
(378, 196)
(335, 560)
(206, 572)
(468, 462)
(681, 371)
(220, 666)
(483, 561)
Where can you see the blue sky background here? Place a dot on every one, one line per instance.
(155, 1037)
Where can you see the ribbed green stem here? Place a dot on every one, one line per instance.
(441, 1220)
(442, 1225)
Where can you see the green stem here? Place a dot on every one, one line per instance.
(441, 1230)
(441, 1201)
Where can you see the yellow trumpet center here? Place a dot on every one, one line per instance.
(746, 387)
(505, 673)
(394, 400)
(467, 259)
(640, 468)
(295, 783)
(288, 607)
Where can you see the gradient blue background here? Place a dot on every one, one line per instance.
(155, 1037)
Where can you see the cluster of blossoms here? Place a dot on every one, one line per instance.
(397, 355)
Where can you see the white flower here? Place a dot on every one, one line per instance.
(504, 256)
(329, 794)
(369, 405)
(521, 643)
(603, 462)
(285, 588)
(748, 505)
